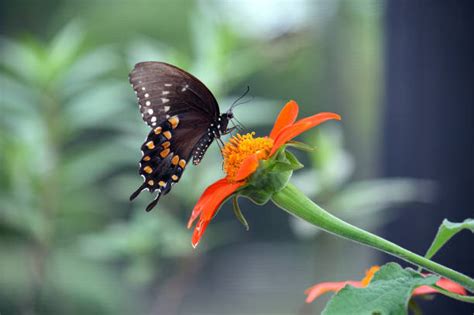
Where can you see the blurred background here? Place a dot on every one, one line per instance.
(398, 72)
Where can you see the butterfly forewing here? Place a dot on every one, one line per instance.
(180, 110)
(164, 90)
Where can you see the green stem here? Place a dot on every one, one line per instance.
(296, 203)
(463, 298)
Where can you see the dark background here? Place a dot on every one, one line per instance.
(429, 123)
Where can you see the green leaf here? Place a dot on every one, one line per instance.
(446, 231)
(388, 293)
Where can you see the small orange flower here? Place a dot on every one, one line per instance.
(319, 289)
(242, 155)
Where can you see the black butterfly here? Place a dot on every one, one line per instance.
(184, 117)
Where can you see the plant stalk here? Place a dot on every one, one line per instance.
(293, 201)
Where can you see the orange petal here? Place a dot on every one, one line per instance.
(199, 231)
(212, 204)
(369, 274)
(203, 200)
(247, 167)
(208, 205)
(289, 132)
(286, 117)
(319, 289)
(444, 283)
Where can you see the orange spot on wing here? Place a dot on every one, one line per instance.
(167, 134)
(174, 121)
(164, 153)
(150, 145)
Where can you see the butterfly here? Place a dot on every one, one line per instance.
(184, 118)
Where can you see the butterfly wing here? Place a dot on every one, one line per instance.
(164, 90)
(180, 110)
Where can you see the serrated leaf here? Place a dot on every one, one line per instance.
(446, 231)
(388, 293)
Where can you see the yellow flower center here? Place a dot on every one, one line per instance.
(241, 147)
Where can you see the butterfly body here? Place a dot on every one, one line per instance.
(184, 118)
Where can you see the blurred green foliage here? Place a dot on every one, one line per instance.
(70, 242)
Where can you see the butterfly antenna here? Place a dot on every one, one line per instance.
(235, 103)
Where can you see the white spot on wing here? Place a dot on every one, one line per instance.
(150, 111)
(148, 103)
(143, 89)
(167, 108)
(165, 92)
(168, 84)
(164, 100)
(147, 95)
(153, 119)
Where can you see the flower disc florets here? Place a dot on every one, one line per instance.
(241, 147)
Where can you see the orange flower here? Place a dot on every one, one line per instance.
(242, 155)
(319, 289)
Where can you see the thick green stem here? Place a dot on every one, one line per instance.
(296, 203)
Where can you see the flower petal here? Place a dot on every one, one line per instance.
(369, 274)
(212, 204)
(248, 166)
(286, 118)
(199, 231)
(203, 200)
(208, 205)
(319, 289)
(289, 132)
(444, 283)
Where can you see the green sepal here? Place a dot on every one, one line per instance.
(238, 213)
(295, 164)
(271, 176)
(300, 146)
(285, 161)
